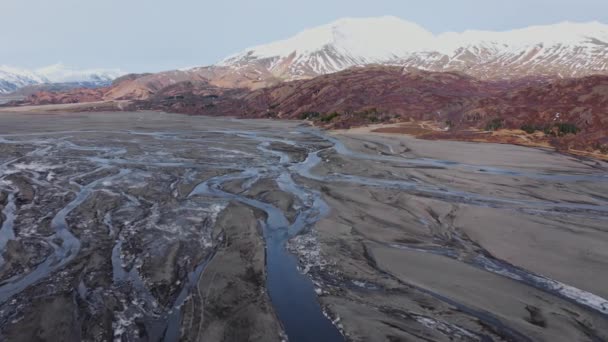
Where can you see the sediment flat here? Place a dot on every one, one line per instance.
(154, 226)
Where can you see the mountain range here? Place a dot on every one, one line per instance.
(12, 79)
(562, 50)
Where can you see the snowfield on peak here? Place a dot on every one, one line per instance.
(563, 50)
(369, 39)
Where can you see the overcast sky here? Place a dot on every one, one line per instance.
(154, 35)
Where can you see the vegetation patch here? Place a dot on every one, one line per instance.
(495, 124)
(373, 115)
(309, 115)
(329, 117)
(556, 130)
(566, 128)
(530, 129)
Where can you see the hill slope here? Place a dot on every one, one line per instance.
(555, 109)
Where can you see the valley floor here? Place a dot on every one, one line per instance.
(153, 226)
(422, 129)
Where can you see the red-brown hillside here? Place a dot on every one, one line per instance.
(388, 94)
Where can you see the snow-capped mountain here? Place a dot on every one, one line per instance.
(562, 50)
(336, 46)
(11, 79)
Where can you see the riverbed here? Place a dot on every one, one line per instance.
(161, 227)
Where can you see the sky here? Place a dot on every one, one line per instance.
(155, 35)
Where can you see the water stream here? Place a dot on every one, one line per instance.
(292, 293)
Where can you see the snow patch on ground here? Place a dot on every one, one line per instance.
(123, 321)
(34, 166)
(307, 248)
(215, 209)
(580, 296)
(446, 328)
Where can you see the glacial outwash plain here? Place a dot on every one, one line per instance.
(151, 226)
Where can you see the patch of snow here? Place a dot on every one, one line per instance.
(123, 322)
(34, 166)
(307, 248)
(50, 176)
(446, 328)
(582, 297)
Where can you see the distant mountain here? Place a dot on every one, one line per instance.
(336, 46)
(56, 87)
(540, 52)
(556, 51)
(12, 79)
(560, 50)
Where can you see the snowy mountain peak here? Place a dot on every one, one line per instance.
(348, 34)
(563, 49)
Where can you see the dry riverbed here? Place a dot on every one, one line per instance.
(161, 227)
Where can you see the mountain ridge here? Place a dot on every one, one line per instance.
(565, 49)
(561, 50)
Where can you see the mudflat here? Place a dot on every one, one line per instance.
(151, 226)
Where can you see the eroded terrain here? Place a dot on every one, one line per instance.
(150, 226)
